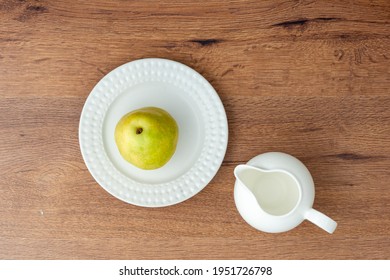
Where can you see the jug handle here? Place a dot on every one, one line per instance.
(321, 220)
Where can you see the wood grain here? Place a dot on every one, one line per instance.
(310, 78)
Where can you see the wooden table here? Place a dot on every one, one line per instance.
(309, 78)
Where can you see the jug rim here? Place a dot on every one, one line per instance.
(298, 184)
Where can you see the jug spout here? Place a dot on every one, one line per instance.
(238, 171)
(241, 168)
(246, 174)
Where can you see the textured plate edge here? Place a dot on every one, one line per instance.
(200, 186)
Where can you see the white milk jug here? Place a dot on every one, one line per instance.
(274, 192)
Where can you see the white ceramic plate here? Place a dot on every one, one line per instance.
(188, 97)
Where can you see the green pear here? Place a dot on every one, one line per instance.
(147, 137)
